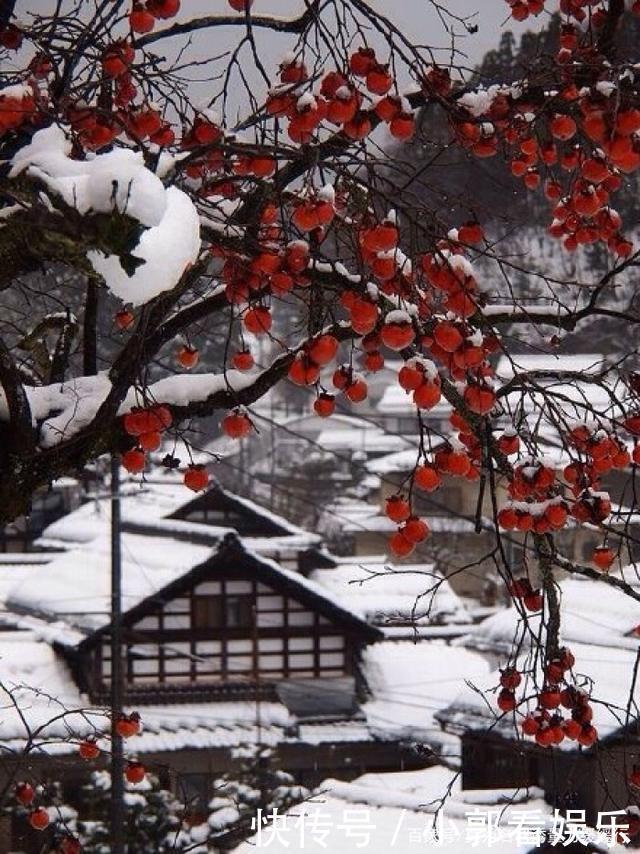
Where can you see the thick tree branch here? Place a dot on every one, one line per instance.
(20, 440)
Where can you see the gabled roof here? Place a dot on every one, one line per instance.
(158, 563)
(164, 497)
(259, 522)
(230, 558)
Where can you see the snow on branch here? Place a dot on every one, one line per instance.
(119, 181)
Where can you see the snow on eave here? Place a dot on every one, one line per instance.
(376, 522)
(399, 461)
(199, 533)
(75, 586)
(385, 593)
(52, 632)
(521, 363)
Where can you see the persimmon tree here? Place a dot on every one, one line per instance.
(169, 229)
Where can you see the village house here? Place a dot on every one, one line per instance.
(277, 465)
(600, 626)
(226, 644)
(462, 540)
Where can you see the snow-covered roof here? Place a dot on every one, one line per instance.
(410, 682)
(210, 725)
(400, 461)
(76, 586)
(592, 612)
(309, 422)
(394, 595)
(151, 500)
(39, 696)
(548, 443)
(576, 397)
(359, 522)
(57, 715)
(375, 441)
(607, 672)
(597, 623)
(160, 497)
(12, 572)
(577, 400)
(508, 366)
(379, 813)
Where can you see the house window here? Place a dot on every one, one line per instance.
(239, 612)
(207, 612)
(217, 612)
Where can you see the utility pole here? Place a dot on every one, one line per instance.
(117, 681)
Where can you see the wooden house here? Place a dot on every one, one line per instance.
(47, 505)
(599, 625)
(461, 545)
(222, 648)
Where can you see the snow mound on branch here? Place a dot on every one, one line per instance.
(78, 401)
(167, 250)
(63, 408)
(181, 390)
(119, 181)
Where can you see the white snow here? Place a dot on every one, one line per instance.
(116, 180)
(40, 685)
(479, 102)
(76, 586)
(182, 389)
(379, 813)
(602, 617)
(167, 250)
(119, 180)
(74, 403)
(388, 594)
(410, 682)
(65, 408)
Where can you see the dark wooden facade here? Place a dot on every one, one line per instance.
(234, 627)
(594, 780)
(221, 508)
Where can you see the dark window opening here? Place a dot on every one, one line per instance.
(208, 612)
(217, 612)
(239, 611)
